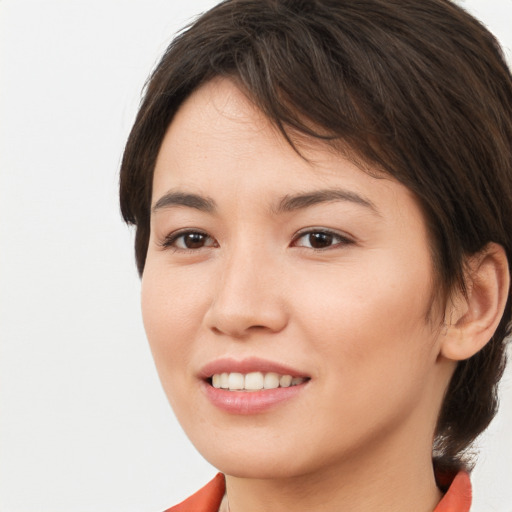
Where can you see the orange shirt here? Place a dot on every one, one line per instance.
(207, 499)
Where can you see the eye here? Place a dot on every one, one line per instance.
(320, 239)
(188, 240)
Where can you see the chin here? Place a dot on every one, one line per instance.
(256, 468)
(262, 460)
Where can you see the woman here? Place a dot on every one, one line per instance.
(321, 193)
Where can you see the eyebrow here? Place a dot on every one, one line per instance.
(294, 202)
(288, 203)
(204, 204)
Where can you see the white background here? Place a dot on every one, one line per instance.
(84, 425)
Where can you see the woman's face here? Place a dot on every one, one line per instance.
(263, 266)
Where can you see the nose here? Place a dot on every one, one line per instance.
(249, 296)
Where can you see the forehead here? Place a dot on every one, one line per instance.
(217, 112)
(219, 141)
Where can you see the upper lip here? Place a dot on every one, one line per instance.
(247, 365)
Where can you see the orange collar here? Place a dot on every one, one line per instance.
(458, 496)
(206, 499)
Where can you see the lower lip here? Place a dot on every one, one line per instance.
(250, 402)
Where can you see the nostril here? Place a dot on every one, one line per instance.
(235, 332)
(239, 320)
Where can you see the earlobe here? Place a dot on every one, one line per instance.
(473, 318)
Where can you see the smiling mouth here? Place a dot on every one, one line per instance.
(253, 381)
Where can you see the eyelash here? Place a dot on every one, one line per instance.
(342, 239)
(170, 241)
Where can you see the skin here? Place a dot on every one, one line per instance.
(353, 315)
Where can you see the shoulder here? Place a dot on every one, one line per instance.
(207, 499)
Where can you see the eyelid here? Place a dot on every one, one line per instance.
(170, 239)
(344, 238)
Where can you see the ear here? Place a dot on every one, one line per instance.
(471, 320)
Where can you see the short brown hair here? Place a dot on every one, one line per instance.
(417, 88)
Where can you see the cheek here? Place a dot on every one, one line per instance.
(369, 315)
(373, 347)
(172, 308)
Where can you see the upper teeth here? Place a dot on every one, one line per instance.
(254, 381)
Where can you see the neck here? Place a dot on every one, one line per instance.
(398, 480)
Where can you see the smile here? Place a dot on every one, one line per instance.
(254, 381)
(251, 385)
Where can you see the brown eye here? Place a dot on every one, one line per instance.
(319, 240)
(189, 240)
(194, 240)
